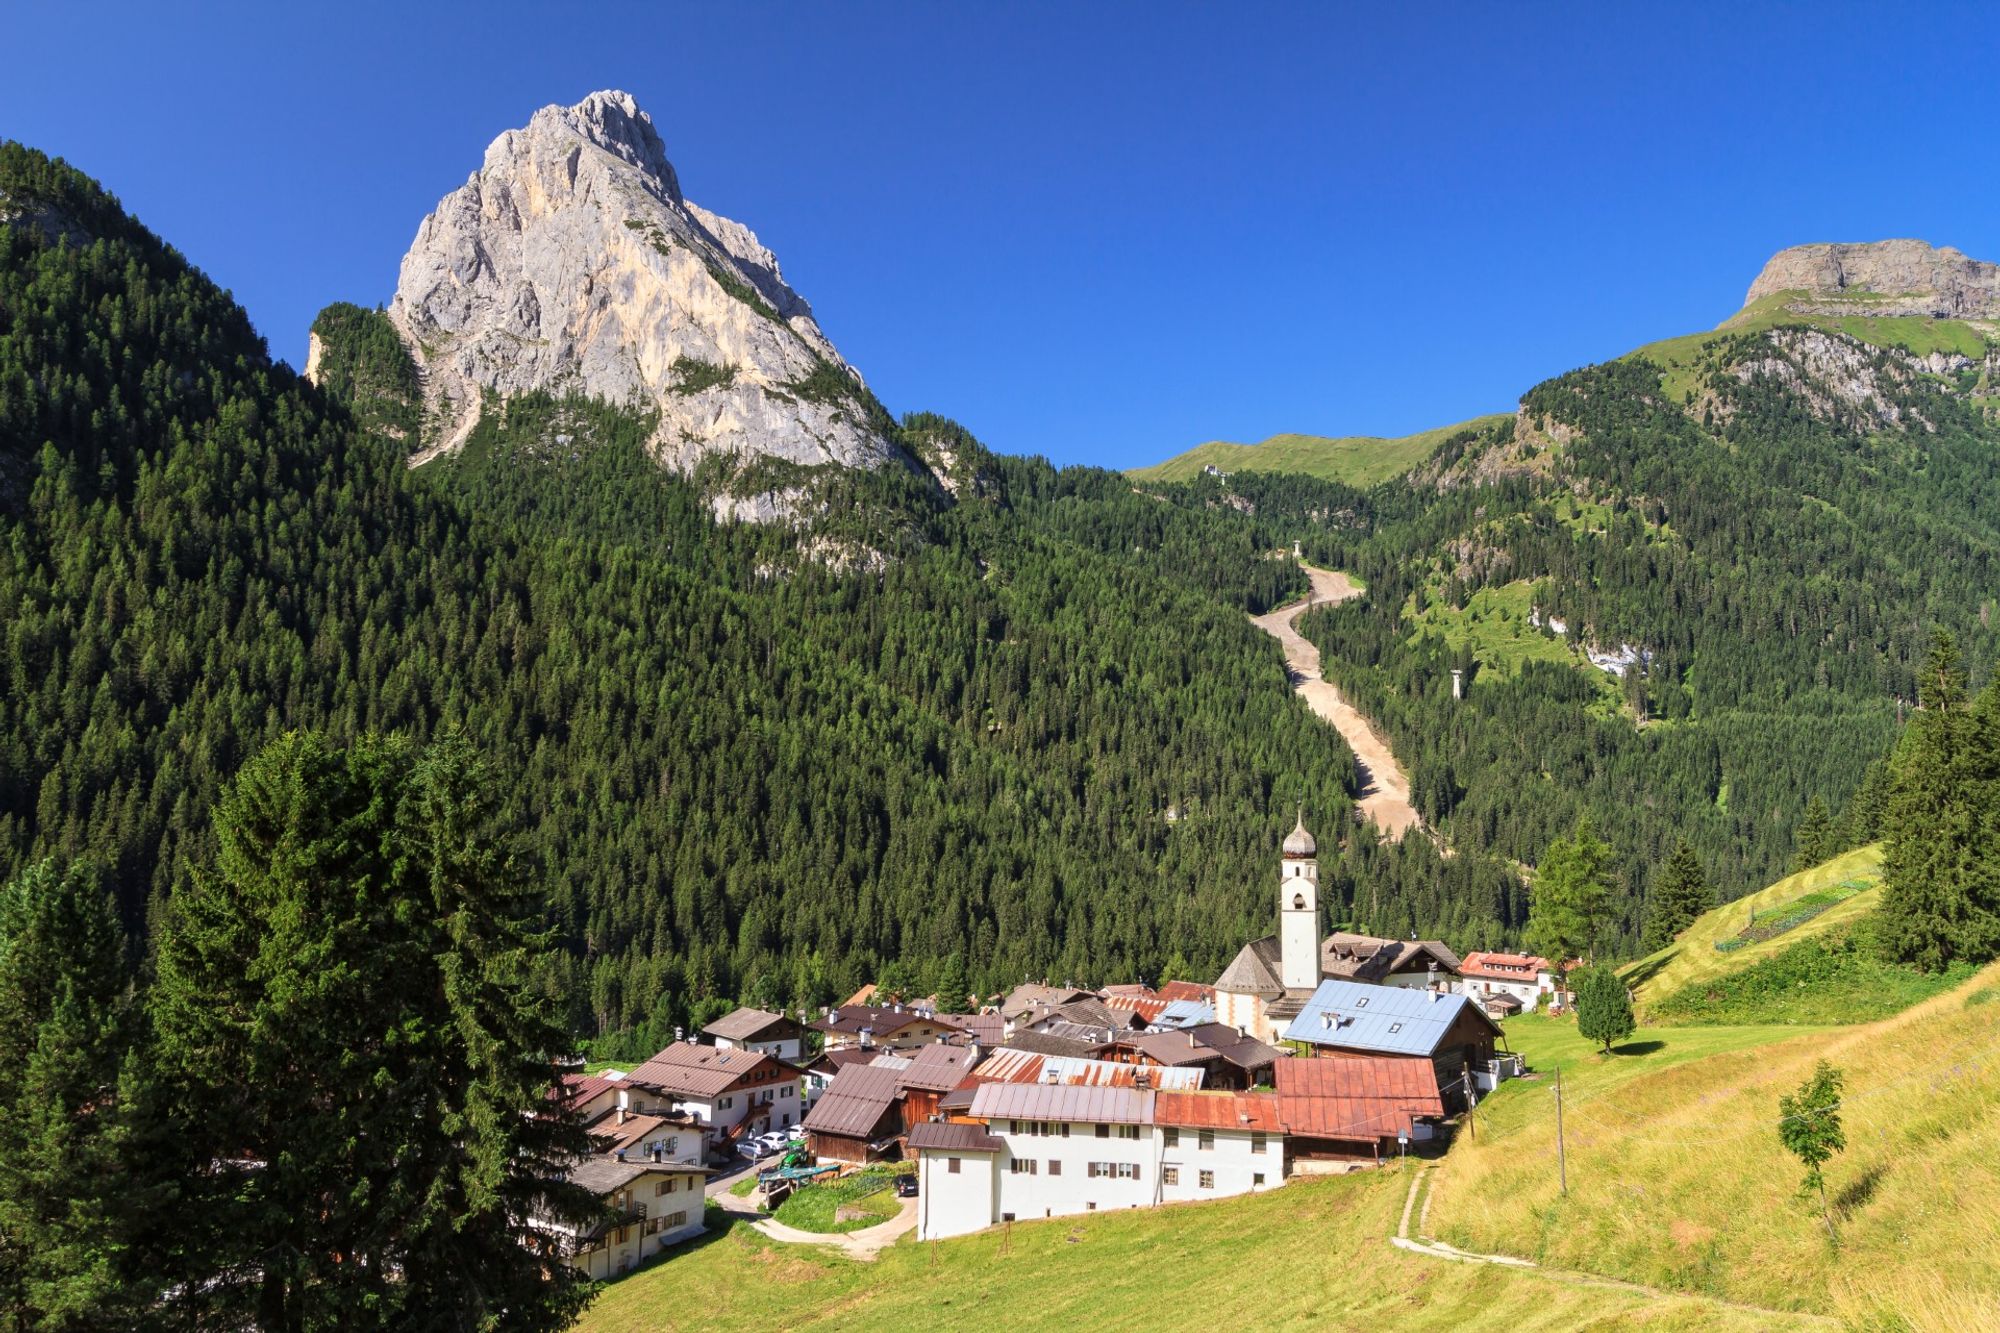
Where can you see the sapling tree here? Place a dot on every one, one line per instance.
(1809, 1127)
(1603, 1007)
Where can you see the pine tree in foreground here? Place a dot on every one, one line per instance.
(68, 1203)
(358, 1063)
(1603, 1007)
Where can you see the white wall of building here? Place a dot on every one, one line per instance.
(673, 1203)
(788, 1050)
(957, 1192)
(1529, 993)
(1058, 1173)
(1197, 1164)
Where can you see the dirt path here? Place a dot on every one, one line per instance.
(1385, 791)
(1437, 1249)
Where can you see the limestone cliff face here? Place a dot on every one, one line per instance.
(1883, 278)
(571, 262)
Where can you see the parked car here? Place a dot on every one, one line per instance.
(906, 1186)
(754, 1149)
(776, 1140)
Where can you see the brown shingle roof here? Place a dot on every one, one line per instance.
(690, 1070)
(937, 1067)
(747, 1024)
(882, 1021)
(856, 1101)
(1370, 958)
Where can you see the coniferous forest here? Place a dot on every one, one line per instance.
(1031, 734)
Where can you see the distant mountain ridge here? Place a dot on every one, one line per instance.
(1355, 460)
(1896, 277)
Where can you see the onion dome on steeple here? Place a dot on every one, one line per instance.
(1298, 842)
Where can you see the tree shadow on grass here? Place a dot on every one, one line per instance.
(1859, 1191)
(1642, 973)
(1639, 1048)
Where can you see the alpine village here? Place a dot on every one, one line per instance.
(564, 811)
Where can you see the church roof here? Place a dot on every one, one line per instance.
(1255, 970)
(1299, 842)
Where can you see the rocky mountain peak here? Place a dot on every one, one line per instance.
(571, 263)
(1897, 277)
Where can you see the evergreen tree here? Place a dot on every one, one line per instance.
(347, 1020)
(1680, 894)
(952, 987)
(1941, 864)
(1809, 1127)
(1603, 1006)
(1815, 839)
(69, 1196)
(1567, 899)
(1862, 819)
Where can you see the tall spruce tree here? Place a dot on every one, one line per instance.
(1680, 894)
(67, 1193)
(1941, 865)
(1566, 902)
(1815, 839)
(358, 1062)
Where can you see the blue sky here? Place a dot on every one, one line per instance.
(1103, 233)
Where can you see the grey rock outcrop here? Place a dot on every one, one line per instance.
(1901, 277)
(571, 262)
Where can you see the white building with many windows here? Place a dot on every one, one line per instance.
(1039, 1150)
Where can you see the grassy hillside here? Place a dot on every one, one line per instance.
(1693, 959)
(1355, 460)
(1677, 1179)
(1314, 1254)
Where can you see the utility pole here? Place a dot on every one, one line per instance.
(1471, 1101)
(1562, 1161)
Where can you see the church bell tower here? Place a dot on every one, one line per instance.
(1298, 910)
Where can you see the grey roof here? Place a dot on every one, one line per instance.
(1255, 970)
(748, 1024)
(1044, 1043)
(881, 1020)
(988, 1030)
(604, 1173)
(855, 1102)
(1073, 1103)
(1396, 1020)
(1032, 995)
(937, 1067)
(1202, 1043)
(950, 1136)
(1299, 842)
(1372, 957)
(1087, 1013)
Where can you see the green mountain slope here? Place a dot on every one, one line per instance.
(745, 769)
(1354, 460)
(1677, 1180)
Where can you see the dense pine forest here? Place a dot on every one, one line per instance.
(1020, 730)
(744, 772)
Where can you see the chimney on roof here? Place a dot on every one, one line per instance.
(679, 1033)
(623, 1115)
(659, 1153)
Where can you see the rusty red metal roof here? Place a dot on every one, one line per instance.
(1218, 1110)
(1186, 990)
(1411, 1084)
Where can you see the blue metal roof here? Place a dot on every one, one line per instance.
(1185, 1013)
(1396, 1020)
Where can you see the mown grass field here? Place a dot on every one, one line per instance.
(1494, 622)
(1693, 960)
(1314, 1254)
(1356, 460)
(1677, 1178)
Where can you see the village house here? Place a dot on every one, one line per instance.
(652, 1205)
(1421, 964)
(589, 1096)
(890, 1026)
(859, 1117)
(1068, 1149)
(1526, 978)
(758, 1030)
(1217, 1143)
(1227, 1058)
(1021, 1005)
(1354, 1111)
(731, 1094)
(1448, 1030)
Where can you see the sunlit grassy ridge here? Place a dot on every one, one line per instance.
(1314, 1254)
(1357, 460)
(1677, 1179)
(1693, 959)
